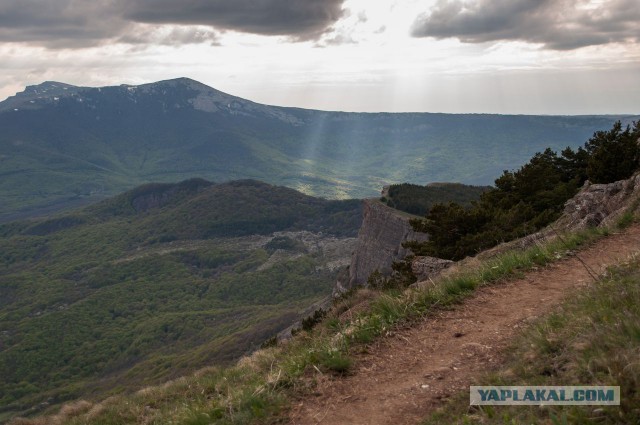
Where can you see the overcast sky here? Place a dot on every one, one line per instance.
(502, 56)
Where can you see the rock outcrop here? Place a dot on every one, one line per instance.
(380, 239)
(384, 230)
(600, 204)
(425, 268)
(596, 205)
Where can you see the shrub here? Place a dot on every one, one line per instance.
(310, 322)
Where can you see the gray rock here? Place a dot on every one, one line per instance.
(600, 204)
(379, 244)
(428, 267)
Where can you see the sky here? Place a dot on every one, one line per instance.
(552, 57)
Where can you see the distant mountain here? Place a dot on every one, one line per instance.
(158, 282)
(62, 145)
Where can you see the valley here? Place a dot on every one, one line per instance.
(159, 282)
(62, 146)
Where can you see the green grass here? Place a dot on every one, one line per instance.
(594, 339)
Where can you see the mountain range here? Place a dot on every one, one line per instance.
(63, 146)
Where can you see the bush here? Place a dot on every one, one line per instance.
(310, 322)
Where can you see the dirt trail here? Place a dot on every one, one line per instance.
(409, 374)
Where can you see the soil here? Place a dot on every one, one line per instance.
(407, 375)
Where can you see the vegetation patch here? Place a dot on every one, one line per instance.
(132, 292)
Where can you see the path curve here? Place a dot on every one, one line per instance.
(406, 376)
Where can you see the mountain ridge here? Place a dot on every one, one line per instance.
(64, 145)
(195, 84)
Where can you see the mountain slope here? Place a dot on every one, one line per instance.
(158, 282)
(416, 344)
(63, 145)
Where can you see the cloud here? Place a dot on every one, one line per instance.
(556, 24)
(81, 23)
(60, 23)
(301, 19)
(170, 35)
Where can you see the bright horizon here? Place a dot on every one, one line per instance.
(570, 57)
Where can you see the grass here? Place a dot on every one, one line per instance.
(593, 339)
(259, 388)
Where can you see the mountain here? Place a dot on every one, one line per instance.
(64, 146)
(158, 282)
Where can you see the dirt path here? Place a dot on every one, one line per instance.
(408, 375)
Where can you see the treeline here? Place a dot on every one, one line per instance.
(530, 198)
(418, 200)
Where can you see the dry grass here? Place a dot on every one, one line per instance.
(66, 412)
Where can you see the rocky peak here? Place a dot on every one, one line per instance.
(48, 88)
(37, 95)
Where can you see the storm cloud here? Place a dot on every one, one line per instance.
(76, 23)
(302, 19)
(60, 23)
(556, 24)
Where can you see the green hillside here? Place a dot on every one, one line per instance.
(62, 146)
(418, 200)
(157, 282)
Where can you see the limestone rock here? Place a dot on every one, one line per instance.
(600, 204)
(379, 244)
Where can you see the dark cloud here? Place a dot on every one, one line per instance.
(302, 19)
(60, 23)
(73, 23)
(556, 24)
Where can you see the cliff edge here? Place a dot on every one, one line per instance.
(379, 244)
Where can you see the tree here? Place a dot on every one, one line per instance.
(613, 155)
